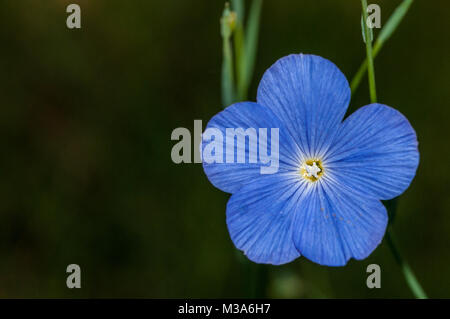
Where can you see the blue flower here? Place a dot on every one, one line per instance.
(324, 200)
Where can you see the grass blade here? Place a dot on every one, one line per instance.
(385, 33)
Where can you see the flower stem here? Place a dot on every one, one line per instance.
(251, 43)
(370, 68)
(227, 23)
(388, 29)
(239, 55)
(413, 284)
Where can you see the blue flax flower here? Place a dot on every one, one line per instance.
(324, 200)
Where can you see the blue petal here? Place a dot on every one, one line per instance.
(310, 95)
(335, 223)
(230, 177)
(260, 215)
(375, 152)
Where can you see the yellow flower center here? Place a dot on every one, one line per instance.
(311, 170)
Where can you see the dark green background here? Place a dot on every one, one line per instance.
(86, 175)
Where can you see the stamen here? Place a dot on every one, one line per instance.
(311, 170)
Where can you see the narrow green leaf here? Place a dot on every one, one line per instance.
(251, 44)
(370, 67)
(227, 23)
(385, 33)
(393, 22)
(362, 31)
(238, 7)
(410, 278)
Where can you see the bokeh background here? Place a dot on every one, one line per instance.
(86, 175)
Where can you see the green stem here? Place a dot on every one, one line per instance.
(228, 89)
(227, 74)
(407, 272)
(386, 32)
(370, 68)
(237, 71)
(413, 284)
(251, 44)
(363, 67)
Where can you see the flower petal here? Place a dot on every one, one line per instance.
(260, 215)
(334, 223)
(310, 95)
(375, 152)
(230, 176)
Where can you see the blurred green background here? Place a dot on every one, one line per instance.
(86, 175)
